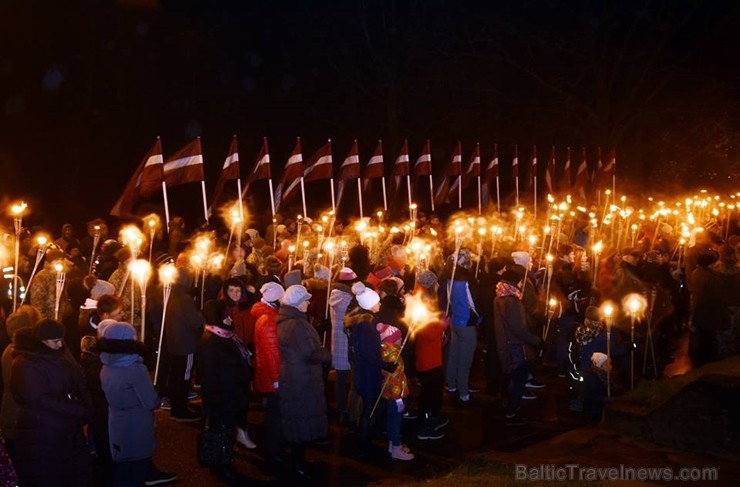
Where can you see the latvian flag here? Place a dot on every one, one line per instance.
(488, 177)
(185, 166)
(453, 170)
(565, 181)
(350, 169)
(550, 173)
(582, 177)
(291, 175)
(423, 165)
(229, 172)
(146, 180)
(375, 168)
(320, 165)
(401, 166)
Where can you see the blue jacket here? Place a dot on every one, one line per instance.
(131, 399)
(459, 306)
(367, 361)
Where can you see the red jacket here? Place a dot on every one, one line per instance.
(428, 340)
(267, 349)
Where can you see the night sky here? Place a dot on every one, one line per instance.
(87, 85)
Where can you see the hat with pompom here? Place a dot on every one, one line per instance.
(366, 297)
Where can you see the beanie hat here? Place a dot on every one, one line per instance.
(347, 274)
(321, 272)
(366, 297)
(271, 292)
(383, 272)
(599, 359)
(293, 277)
(521, 258)
(49, 330)
(101, 288)
(252, 233)
(496, 264)
(389, 333)
(512, 277)
(295, 295)
(593, 313)
(707, 258)
(427, 279)
(17, 321)
(103, 325)
(118, 330)
(163, 258)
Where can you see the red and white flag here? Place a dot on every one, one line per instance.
(582, 177)
(291, 177)
(515, 163)
(229, 172)
(473, 169)
(350, 169)
(320, 165)
(565, 184)
(185, 166)
(261, 166)
(550, 173)
(374, 168)
(607, 173)
(533, 166)
(146, 180)
(423, 165)
(596, 180)
(488, 177)
(441, 195)
(400, 167)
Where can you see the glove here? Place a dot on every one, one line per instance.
(400, 405)
(390, 367)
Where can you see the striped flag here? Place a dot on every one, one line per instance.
(146, 180)
(533, 166)
(473, 169)
(488, 177)
(423, 165)
(565, 183)
(320, 165)
(374, 168)
(261, 166)
(401, 166)
(582, 176)
(441, 195)
(515, 163)
(229, 172)
(185, 166)
(291, 177)
(350, 169)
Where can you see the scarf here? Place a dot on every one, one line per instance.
(504, 289)
(230, 335)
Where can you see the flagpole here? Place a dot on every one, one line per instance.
(272, 197)
(535, 197)
(459, 193)
(359, 196)
(516, 181)
(333, 203)
(166, 205)
(205, 204)
(385, 199)
(408, 188)
(239, 188)
(431, 191)
(480, 204)
(303, 196)
(498, 196)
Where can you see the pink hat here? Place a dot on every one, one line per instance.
(347, 274)
(383, 273)
(389, 333)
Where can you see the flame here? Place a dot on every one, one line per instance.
(167, 273)
(417, 314)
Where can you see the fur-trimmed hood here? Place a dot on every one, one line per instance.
(120, 353)
(357, 316)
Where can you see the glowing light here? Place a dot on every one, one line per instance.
(167, 273)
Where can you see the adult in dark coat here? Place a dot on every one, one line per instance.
(53, 406)
(515, 343)
(302, 398)
(709, 310)
(224, 377)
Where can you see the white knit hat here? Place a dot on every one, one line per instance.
(366, 297)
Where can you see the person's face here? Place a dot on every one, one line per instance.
(303, 307)
(234, 293)
(570, 258)
(54, 344)
(67, 232)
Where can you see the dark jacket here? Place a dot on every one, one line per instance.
(512, 335)
(302, 398)
(709, 309)
(53, 406)
(365, 346)
(183, 323)
(131, 399)
(224, 374)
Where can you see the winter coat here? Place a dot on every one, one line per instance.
(121, 280)
(513, 340)
(224, 374)
(709, 310)
(9, 409)
(302, 398)
(367, 361)
(53, 406)
(184, 323)
(339, 300)
(267, 349)
(131, 399)
(43, 294)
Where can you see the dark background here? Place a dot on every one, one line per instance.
(86, 86)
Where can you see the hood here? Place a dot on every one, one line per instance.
(120, 353)
(259, 308)
(359, 315)
(26, 343)
(340, 297)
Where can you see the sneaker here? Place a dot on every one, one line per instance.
(242, 439)
(429, 433)
(439, 422)
(165, 404)
(188, 417)
(158, 478)
(196, 387)
(514, 420)
(465, 400)
(473, 389)
(451, 389)
(401, 452)
(530, 396)
(410, 415)
(534, 384)
(192, 395)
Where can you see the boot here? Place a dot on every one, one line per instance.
(401, 452)
(242, 437)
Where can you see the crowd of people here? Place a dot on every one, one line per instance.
(330, 335)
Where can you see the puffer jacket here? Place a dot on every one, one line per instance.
(267, 349)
